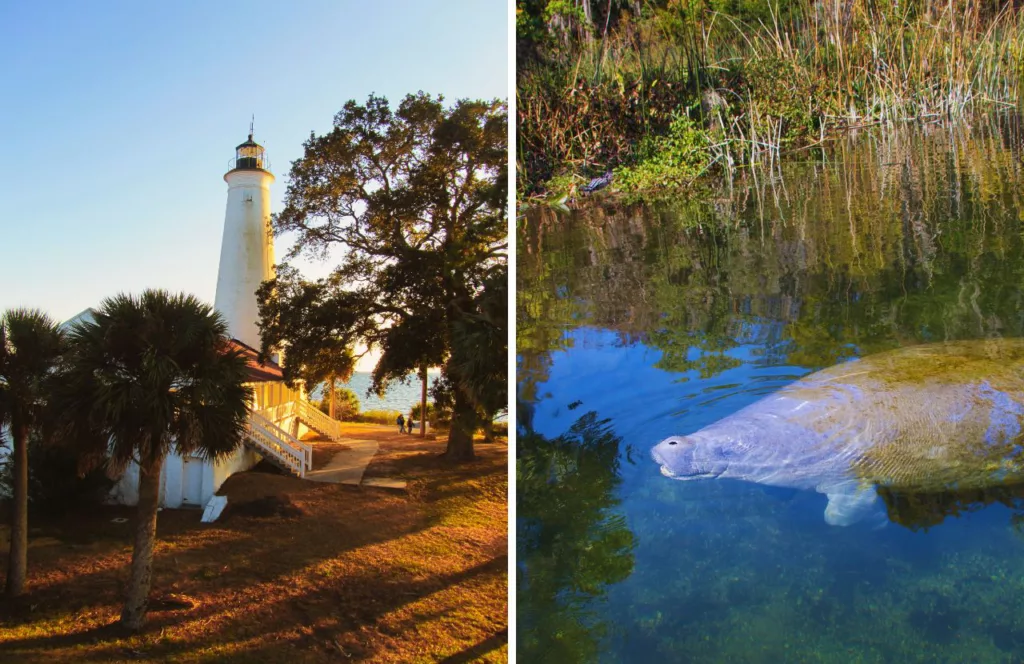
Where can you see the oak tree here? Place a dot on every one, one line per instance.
(411, 201)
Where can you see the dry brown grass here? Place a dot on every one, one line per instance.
(293, 572)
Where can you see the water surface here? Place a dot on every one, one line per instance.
(639, 322)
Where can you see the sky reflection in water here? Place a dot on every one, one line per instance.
(639, 323)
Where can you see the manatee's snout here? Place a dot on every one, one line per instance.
(675, 456)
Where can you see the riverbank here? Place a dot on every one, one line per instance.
(669, 95)
(294, 571)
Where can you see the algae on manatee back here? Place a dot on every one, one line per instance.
(944, 415)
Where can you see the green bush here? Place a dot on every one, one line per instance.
(377, 416)
(346, 404)
(54, 483)
(672, 160)
(431, 413)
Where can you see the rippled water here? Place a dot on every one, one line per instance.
(636, 323)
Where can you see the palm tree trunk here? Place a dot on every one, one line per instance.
(133, 616)
(423, 401)
(17, 566)
(460, 438)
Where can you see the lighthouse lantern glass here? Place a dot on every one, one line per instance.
(249, 155)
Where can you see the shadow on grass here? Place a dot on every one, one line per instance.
(369, 597)
(376, 598)
(108, 632)
(268, 585)
(474, 653)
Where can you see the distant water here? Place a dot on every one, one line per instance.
(400, 396)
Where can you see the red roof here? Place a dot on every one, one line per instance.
(258, 373)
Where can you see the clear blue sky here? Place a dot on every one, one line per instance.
(119, 119)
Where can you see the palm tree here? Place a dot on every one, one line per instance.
(30, 348)
(152, 373)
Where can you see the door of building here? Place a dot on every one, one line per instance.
(192, 482)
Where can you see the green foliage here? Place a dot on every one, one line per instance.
(388, 417)
(150, 372)
(479, 343)
(441, 391)
(31, 345)
(55, 484)
(317, 323)
(431, 414)
(346, 404)
(673, 160)
(780, 89)
(417, 198)
(790, 72)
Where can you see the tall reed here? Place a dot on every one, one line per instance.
(784, 82)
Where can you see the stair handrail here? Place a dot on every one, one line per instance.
(300, 449)
(268, 446)
(275, 445)
(318, 419)
(270, 437)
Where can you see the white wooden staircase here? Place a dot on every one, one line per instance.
(280, 447)
(317, 420)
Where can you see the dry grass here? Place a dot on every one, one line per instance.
(293, 572)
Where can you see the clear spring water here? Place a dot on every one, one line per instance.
(638, 322)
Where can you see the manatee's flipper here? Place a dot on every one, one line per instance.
(849, 503)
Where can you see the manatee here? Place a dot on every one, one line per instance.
(920, 419)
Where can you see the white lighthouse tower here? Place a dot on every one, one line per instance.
(247, 247)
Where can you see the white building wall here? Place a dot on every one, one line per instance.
(246, 252)
(242, 459)
(126, 489)
(172, 480)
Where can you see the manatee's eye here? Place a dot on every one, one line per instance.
(671, 442)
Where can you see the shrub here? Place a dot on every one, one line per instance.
(431, 413)
(346, 404)
(54, 483)
(674, 159)
(377, 416)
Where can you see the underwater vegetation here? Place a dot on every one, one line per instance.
(654, 320)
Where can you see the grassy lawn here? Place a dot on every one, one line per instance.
(294, 571)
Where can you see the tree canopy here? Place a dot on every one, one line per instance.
(152, 373)
(31, 345)
(413, 200)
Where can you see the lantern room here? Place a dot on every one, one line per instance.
(251, 156)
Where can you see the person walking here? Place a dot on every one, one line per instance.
(401, 423)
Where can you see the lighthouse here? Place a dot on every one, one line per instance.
(247, 247)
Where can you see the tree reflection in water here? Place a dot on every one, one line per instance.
(571, 543)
